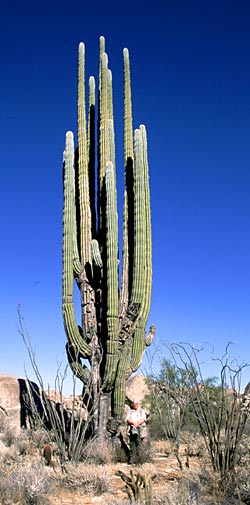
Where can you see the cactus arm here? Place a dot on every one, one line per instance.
(123, 373)
(104, 150)
(128, 127)
(145, 308)
(84, 225)
(83, 179)
(71, 328)
(79, 370)
(112, 278)
(111, 137)
(142, 282)
(95, 253)
(110, 95)
(91, 152)
(124, 296)
(127, 253)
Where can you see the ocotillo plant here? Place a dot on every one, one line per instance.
(109, 344)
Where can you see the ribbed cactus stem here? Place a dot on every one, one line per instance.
(104, 116)
(142, 284)
(145, 307)
(138, 281)
(123, 373)
(102, 44)
(71, 327)
(111, 137)
(104, 150)
(95, 253)
(127, 253)
(128, 128)
(112, 277)
(91, 152)
(83, 178)
(110, 95)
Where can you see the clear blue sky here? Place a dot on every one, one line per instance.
(191, 88)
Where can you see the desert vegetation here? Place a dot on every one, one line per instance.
(197, 449)
(197, 452)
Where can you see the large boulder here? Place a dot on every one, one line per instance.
(18, 397)
(73, 405)
(10, 400)
(15, 404)
(137, 388)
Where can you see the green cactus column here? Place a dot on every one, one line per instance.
(110, 342)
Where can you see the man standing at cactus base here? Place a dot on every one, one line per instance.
(136, 420)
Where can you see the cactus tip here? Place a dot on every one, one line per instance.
(104, 58)
(69, 134)
(109, 166)
(102, 44)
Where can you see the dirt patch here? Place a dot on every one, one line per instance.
(164, 469)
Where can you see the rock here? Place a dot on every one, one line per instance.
(75, 405)
(55, 396)
(15, 409)
(72, 405)
(137, 388)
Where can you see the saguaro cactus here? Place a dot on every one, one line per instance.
(109, 344)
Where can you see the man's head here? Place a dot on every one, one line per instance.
(135, 403)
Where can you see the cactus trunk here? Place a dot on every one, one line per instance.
(109, 344)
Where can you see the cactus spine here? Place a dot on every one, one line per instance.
(111, 338)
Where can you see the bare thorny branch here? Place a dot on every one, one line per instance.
(66, 428)
(221, 413)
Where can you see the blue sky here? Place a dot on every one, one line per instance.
(190, 85)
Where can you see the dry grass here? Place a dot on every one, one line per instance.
(87, 479)
(25, 479)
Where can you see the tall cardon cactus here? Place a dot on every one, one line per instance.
(108, 345)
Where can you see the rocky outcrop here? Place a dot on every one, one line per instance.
(15, 407)
(72, 405)
(18, 397)
(137, 388)
(10, 400)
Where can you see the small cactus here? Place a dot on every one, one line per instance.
(47, 454)
(138, 485)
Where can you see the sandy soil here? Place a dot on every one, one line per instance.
(164, 468)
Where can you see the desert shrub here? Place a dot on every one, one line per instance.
(27, 484)
(8, 492)
(244, 452)
(146, 452)
(31, 482)
(88, 479)
(38, 437)
(171, 409)
(220, 410)
(8, 435)
(98, 452)
(194, 444)
(8, 460)
(120, 453)
(23, 444)
(241, 487)
(247, 428)
(193, 488)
